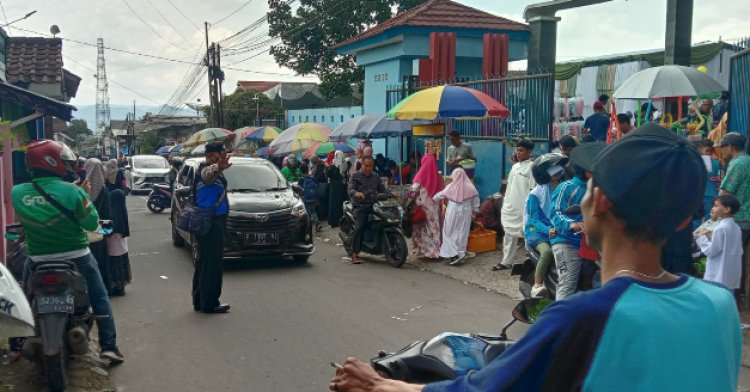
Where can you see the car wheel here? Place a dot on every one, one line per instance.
(195, 249)
(177, 239)
(301, 259)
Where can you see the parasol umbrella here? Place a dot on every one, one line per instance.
(372, 127)
(209, 135)
(668, 81)
(447, 102)
(323, 149)
(199, 150)
(163, 150)
(258, 134)
(300, 138)
(175, 149)
(262, 152)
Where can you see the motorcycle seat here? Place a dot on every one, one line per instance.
(162, 187)
(50, 265)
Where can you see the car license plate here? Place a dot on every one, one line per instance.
(55, 304)
(261, 238)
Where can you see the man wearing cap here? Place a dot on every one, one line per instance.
(737, 182)
(597, 124)
(638, 332)
(210, 189)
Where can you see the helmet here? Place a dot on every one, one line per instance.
(541, 164)
(50, 156)
(177, 163)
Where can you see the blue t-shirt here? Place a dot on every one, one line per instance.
(598, 125)
(626, 336)
(206, 195)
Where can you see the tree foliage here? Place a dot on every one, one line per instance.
(240, 109)
(309, 34)
(78, 127)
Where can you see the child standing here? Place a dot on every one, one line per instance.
(723, 246)
(310, 195)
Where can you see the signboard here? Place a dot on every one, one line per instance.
(428, 130)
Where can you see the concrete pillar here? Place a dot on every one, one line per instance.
(542, 44)
(679, 32)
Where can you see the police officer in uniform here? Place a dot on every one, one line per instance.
(210, 186)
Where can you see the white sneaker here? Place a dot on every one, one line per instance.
(458, 260)
(470, 255)
(113, 355)
(538, 290)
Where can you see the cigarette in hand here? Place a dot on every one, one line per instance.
(336, 365)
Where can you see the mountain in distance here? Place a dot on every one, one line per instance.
(120, 112)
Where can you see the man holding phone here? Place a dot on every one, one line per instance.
(210, 190)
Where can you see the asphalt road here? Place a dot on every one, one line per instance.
(287, 322)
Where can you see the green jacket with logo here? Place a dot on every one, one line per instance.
(47, 229)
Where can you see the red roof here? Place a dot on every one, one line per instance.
(259, 85)
(34, 60)
(441, 13)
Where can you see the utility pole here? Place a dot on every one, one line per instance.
(219, 80)
(210, 81)
(215, 79)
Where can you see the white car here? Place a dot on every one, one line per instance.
(147, 170)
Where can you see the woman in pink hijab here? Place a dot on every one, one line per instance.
(463, 203)
(426, 184)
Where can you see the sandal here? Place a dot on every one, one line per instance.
(356, 260)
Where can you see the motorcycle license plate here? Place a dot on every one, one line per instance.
(261, 238)
(54, 304)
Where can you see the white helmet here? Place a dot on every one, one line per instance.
(16, 319)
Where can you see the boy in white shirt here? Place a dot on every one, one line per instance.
(723, 245)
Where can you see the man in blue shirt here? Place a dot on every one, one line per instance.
(210, 191)
(597, 124)
(644, 328)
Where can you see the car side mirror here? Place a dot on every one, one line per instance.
(184, 191)
(528, 310)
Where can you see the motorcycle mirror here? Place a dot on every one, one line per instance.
(528, 310)
(12, 236)
(182, 191)
(572, 210)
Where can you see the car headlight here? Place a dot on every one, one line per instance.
(299, 210)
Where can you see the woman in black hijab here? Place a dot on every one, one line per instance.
(117, 244)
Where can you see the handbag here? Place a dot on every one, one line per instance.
(93, 236)
(197, 220)
(418, 215)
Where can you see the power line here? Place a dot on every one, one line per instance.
(183, 15)
(167, 21)
(5, 16)
(150, 27)
(110, 79)
(232, 13)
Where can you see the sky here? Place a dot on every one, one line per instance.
(173, 29)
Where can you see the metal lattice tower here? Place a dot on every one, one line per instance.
(102, 90)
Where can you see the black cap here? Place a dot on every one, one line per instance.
(585, 155)
(214, 147)
(569, 141)
(652, 177)
(733, 139)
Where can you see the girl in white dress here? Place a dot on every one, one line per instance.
(463, 203)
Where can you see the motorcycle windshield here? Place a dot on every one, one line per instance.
(461, 352)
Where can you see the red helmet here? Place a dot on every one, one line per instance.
(50, 156)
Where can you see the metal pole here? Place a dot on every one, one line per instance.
(210, 79)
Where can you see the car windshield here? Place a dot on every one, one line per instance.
(254, 178)
(150, 163)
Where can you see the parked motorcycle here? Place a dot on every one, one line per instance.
(451, 355)
(383, 233)
(159, 198)
(60, 305)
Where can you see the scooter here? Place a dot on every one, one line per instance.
(451, 355)
(383, 233)
(59, 300)
(159, 198)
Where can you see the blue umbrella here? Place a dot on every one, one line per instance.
(163, 150)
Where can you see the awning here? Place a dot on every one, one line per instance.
(36, 101)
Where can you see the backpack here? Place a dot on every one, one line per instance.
(309, 189)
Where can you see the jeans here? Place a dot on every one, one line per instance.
(568, 268)
(361, 214)
(98, 297)
(312, 210)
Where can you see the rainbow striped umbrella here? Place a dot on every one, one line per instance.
(323, 149)
(209, 135)
(300, 138)
(258, 134)
(447, 102)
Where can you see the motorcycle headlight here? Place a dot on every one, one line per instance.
(299, 210)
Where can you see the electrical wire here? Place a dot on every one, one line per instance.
(184, 16)
(151, 27)
(167, 21)
(5, 16)
(109, 79)
(232, 13)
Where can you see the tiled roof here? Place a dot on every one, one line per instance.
(72, 81)
(441, 13)
(259, 85)
(34, 60)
